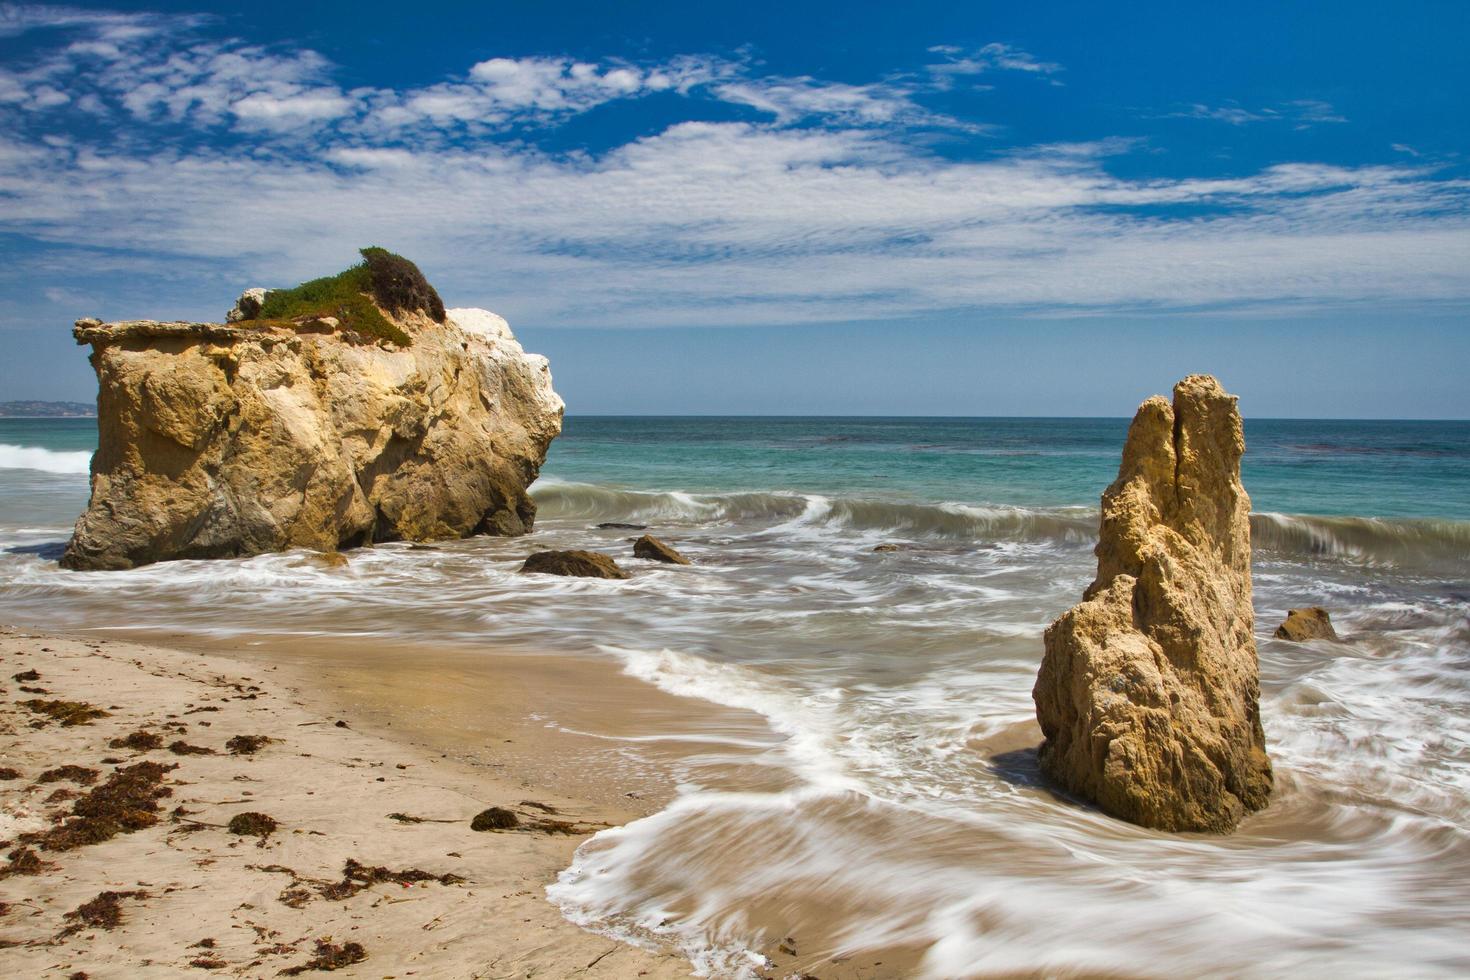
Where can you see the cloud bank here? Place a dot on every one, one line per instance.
(142, 145)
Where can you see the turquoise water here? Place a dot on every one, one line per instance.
(886, 690)
(1362, 468)
(1341, 468)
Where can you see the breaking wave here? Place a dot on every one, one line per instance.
(46, 460)
(1403, 542)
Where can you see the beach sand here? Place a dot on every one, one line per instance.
(198, 898)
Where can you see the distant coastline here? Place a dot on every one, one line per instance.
(47, 410)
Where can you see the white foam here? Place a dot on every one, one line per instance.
(46, 460)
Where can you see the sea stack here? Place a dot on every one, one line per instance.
(350, 410)
(1148, 694)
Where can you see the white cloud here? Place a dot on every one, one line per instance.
(1301, 113)
(992, 57)
(824, 209)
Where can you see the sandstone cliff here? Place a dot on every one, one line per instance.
(1148, 691)
(380, 416)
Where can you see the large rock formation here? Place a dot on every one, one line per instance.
(388, 419)
(1148, 692)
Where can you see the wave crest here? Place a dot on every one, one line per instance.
(46, 460)
(1407, 542)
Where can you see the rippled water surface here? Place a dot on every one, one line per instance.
(890, 799)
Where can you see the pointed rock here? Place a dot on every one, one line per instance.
(655, 550)
(1148, 694)
(1311, 623)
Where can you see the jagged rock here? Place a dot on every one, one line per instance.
(655, 550)
(247, 307)
(1311, 623)
(1148, 694)
(224, 440)
(583, 564)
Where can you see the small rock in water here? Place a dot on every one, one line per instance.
(655, 550)
(620, 526)
(327, 559)
(1311, 623)
(584, 564)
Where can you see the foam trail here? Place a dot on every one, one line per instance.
(46, 460)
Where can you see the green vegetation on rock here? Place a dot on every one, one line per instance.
(357, 296)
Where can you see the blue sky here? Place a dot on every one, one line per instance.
(776, 208)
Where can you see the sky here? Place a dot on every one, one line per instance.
(776, 208)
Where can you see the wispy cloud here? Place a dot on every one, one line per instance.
(819, 205)
(1299, 113)
(992, 57)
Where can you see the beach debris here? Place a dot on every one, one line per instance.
(248, 744)
(72, 774)
(582, 564)
(653, 549)
(26, 676)
(181, 747)
(102, 912)
(7, 773)
(495, 818)
(252, 824)
(543, 807)
(1148, 694)
(140, 741)
(1311, 623)
(329, 957)
(125, 802)
(620, 526)
(69, 713)
(22, 861)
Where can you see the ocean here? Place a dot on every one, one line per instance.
(885, 794)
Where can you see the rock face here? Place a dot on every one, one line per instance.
(1148, 693)
(580, 564)
(1311, 623)
(653, 549)
(222, 440)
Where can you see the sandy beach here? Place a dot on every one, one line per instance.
(372, 867)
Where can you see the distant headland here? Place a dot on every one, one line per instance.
(47, 410)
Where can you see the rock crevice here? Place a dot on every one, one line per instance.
(1148, 693)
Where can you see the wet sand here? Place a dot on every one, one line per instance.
(193, 897)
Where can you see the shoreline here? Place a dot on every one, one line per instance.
(216, 901)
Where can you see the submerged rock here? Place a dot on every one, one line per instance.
(653, 549)
(1148, 693)
(1311, 623)
(583, 564)
(378, 422)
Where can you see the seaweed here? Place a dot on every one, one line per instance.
(247, 744)
(27, 675)
(7, 773)
(495, 818)
(357, 877)
(140, 741)
(102, 912)
(69, 713)
(22, 861)
(181, 747)
(328, 957)
(125, 802)
(73, 774)
(252, 824)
